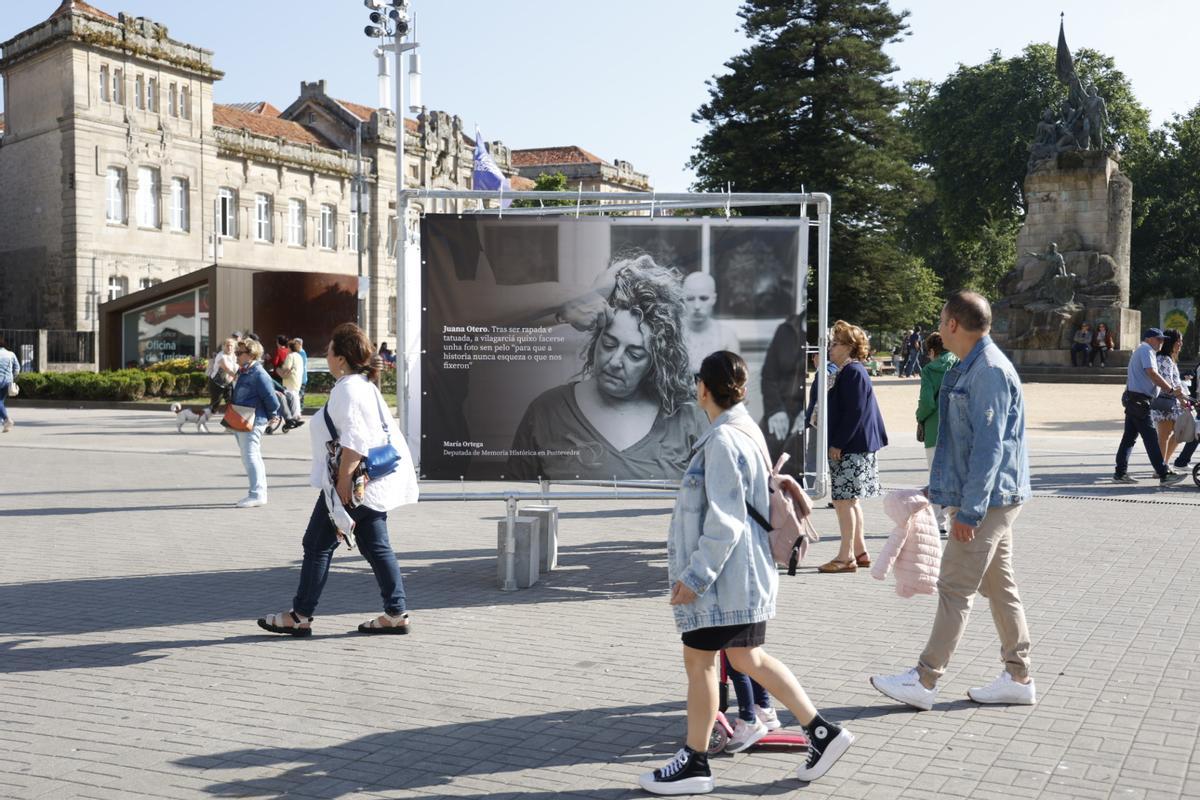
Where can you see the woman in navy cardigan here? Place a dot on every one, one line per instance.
(855, 434)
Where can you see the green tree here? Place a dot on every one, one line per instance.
(806, 105)
(547, 182)
(1165, 258)
(972, 133)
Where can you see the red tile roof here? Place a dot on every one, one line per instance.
(236, 119)
(553, 155)
(364, 113)
(83, 8)
(256, 107)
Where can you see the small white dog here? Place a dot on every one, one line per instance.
(185, 415)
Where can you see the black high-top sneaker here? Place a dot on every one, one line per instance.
(686, 773)
(826, 744)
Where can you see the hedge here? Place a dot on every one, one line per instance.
(134, 384)
(124, 384)
(322, 382)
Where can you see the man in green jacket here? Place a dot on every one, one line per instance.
(940, 360)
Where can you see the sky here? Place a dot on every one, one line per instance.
(621, 78)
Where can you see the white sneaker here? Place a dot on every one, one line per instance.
(745, 734)
(768, 717)
(906, 688)
(8, 425)
(250, 502)
(1005, 690)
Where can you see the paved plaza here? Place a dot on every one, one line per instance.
(130, 664)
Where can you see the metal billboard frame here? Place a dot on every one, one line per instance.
(408, 296)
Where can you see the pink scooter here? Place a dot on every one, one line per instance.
(722, 731)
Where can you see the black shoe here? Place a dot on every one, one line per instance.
(1170, 479)
(1182, 465)
(826, 744)
(296, 423)
(1123, 477)
(686, 773)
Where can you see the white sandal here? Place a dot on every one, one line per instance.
(397, 625)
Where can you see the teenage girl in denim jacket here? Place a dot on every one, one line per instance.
(724, 581)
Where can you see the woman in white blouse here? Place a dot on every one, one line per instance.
(357, 412)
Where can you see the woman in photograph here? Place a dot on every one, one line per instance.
(631, 412)
(253, 388)
(357, 412)
(856, 432)
(724, 583)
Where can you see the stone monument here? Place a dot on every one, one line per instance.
(1073, 248)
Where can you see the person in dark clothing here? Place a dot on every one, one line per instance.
(783, 394)
(856, 433)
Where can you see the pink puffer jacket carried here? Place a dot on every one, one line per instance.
(914, 549)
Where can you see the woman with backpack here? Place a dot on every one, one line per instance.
(724, 582)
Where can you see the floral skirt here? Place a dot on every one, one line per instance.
(1166, 416)
(854, 475)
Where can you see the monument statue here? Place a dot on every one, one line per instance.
(1073, 246)
(1082, 118)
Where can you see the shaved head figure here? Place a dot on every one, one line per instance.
(702, 333)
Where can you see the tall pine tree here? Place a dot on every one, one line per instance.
(807, 105)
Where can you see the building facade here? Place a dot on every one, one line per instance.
(120, 172)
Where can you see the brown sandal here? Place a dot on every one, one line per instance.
(834, 566)
(863, 560)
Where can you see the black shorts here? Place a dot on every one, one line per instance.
(753, 634)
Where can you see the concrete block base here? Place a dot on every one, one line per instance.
(548, 540)
(526, 535)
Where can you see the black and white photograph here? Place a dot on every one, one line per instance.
(560, 349)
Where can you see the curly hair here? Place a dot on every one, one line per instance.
(654, 295)
(852, 336)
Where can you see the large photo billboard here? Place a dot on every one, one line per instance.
(565, 349)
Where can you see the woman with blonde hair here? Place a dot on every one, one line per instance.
(856, 433)
(253, 388)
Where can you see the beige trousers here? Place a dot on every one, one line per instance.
(982, 565)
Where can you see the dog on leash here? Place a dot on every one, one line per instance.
(183, 416)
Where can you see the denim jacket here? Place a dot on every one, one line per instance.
(253, 388)
(713, 546)
(981, 461)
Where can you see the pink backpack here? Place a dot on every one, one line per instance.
(790, 528)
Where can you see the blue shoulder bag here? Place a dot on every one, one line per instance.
(379, 461)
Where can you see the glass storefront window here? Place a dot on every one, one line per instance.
(169, 329)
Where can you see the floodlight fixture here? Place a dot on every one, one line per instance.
(376, 4)
(375, 17)
(373, 32)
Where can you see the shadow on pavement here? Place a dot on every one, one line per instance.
(434, 756)
(450, 579)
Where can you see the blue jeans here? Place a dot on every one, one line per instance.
(3, 397)
(747, 690)
(1136, 426)
(1185, 456)
(913, 365)
(250, 443)
(320, 540)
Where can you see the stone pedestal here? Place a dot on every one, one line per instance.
(1081, 202)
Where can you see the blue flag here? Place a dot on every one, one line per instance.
(485, 174)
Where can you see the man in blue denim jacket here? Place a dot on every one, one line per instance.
(981, 474)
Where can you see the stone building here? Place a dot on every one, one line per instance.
(121, 173)
(580, 166)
